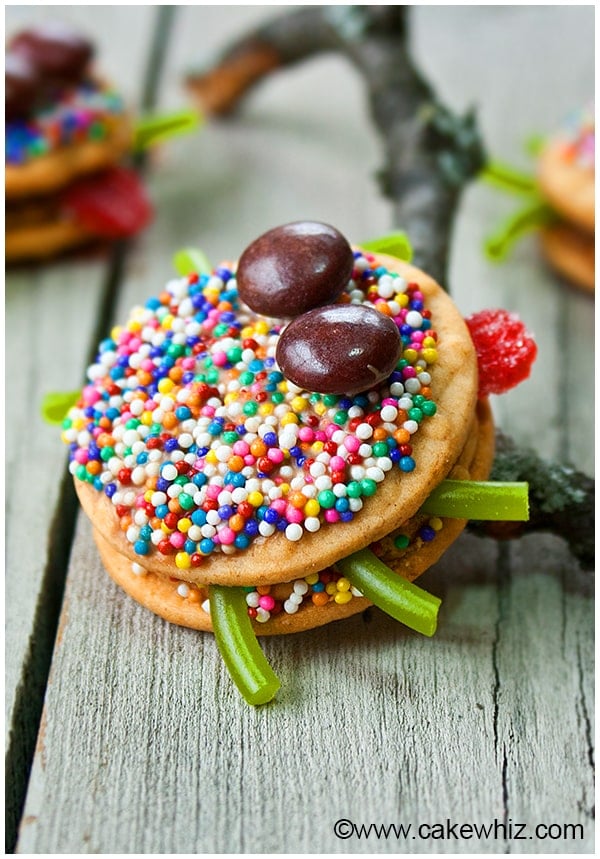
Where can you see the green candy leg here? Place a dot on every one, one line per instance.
(238, 645)
(479, 499)
(394, 595)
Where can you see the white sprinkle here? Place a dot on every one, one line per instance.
(293, 532)
(183, 590)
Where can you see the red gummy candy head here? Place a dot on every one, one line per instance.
(505, 350)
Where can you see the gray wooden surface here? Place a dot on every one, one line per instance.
(143, 745)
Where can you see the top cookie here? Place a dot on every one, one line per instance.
(566, 172)
(195, 456)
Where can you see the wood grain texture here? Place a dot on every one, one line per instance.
(145, 747)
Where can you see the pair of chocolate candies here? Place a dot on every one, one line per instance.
(299, 271)
(47, 57)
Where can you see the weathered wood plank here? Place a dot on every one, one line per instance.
(50, 325)
(145, 746)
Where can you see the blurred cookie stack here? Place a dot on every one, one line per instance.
(66, 135)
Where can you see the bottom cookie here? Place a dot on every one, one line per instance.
(571, 252)
(321, 597)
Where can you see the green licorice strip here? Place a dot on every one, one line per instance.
(479, 499)
(508, 178)
(394, 595)
(56, 404)
(191, 260)
(533, 216)
(155, 129)
(238, 646)
(394, 244)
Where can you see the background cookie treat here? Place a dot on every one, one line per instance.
(224, 495)
(561, 201)
(566, 178)
(67, 132)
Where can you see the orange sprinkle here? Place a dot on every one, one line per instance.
(402, 436)
(258, 447)
(124, 523)
(174, 505)
(165, 298)
(263, 590)
(169, 420)
(383, 307)
(425, 391)
(379, 434)
(321, 598)
(297, 499)
(235, 463)
(237, 522)
(194, 595)
(94, 467)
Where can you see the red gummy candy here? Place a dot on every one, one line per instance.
(112, 204)
(505, 350)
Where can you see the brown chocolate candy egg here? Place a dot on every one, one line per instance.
(294, 268)
(21, 82)
(59, 53)
(339, 349)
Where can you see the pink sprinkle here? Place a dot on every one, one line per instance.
(275, 454)
(188, 363)
(147, 365)
(227, 536)
(213, 491)
(249, 459)
(279, 505)
(351, 443)
(306, 434)
(241, 448)
(208, 411)
(389, 401)
(330, 429)
(320, 436)
(81, 456)
(409, 372)
(292, 514)
(336, 463)
(332, 515)
(267, 602)
(219, 359)
(177, 539)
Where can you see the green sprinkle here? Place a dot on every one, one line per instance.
(191, 261)
(234, 354)
(340, 418)
(428, 407)
(250, 408)
(56, 405)
(415, 415)
(238, 646)
(277, 397)
(354, 490)
(404, 601)
(230, 437)
(368, 486)
(380, 448)
(485, 500)
(401, 541)
(394, 244)
(326, 499)
(330, 399)
(186, 502)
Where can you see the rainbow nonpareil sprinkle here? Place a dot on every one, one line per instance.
(76, 114)
(190, 429)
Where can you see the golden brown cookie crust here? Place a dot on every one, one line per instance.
(436, 447)
(159, 594)
(49, 173)
(568, 186)
(41, 241)
(572, 253)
